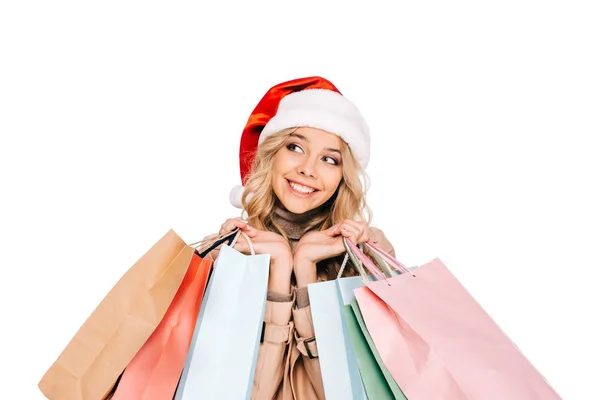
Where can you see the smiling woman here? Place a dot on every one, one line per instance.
(303, 156)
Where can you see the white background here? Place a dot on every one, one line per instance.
(120, 120)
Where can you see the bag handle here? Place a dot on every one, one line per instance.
(364, 260)
(350, 256)
(388, 258)
(235, 239)
(357, 264)
(229, 238)
(380, 262)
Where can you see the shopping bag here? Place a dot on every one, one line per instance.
(438, 342)
(154, 372)
(224, 349)
(339, 368)
(93, 360)
(378, 382)
(190, 353)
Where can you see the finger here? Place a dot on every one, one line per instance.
(231, 220)
(352, 230)
(250, 231)
(361, 229)
(242, 246)
(347, 227)
(237, 223)
(349, 234)
(223, 228)
(344, 225)
(232, 224)
(334, 230)
(339, 245)
(358, 226)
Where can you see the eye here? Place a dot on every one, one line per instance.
(331, 160)
(295, 148)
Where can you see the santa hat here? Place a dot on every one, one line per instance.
(312, 102)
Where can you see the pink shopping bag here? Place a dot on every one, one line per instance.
(439, 343)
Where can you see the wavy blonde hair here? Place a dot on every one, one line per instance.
(348, 202)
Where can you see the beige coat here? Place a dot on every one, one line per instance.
(288, 365)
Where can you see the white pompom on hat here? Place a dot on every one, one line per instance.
(312, 102)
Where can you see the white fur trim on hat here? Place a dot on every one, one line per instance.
(326, 110)
(235, 196)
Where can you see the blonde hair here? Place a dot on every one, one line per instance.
(348, 202)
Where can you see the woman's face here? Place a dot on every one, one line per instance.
(307, 169)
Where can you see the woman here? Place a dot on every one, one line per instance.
(302, 158)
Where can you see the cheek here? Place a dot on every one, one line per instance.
(277, 166)
(332, 178)
(282, 163)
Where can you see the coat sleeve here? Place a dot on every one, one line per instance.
(306, 344)
(378, 238)
(270, 364)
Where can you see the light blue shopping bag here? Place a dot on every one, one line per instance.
(339, 368)
(223, 352)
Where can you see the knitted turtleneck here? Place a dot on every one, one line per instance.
(296, 225)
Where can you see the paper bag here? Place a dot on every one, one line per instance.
(154, 372)
(225, 346)
(93, 360)
(379, 383)
(438, 342)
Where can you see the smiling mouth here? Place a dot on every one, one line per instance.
(301, 189)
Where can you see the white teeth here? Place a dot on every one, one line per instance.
(300, 188)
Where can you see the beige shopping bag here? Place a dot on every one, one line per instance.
(93, 360)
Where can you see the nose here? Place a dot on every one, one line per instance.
(307, 168)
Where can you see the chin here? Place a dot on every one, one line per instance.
(299, 206)
(296, 207)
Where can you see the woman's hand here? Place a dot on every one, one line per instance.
(316, 246)
(265, 242)
(231, 224)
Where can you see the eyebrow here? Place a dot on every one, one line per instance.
(302, 137)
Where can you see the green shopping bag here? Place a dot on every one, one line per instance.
(377, 380)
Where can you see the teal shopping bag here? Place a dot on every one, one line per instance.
(379, 383)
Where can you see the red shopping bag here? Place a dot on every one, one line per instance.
(153, 374)
(439, 343)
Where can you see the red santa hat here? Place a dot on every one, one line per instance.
(312, 102)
